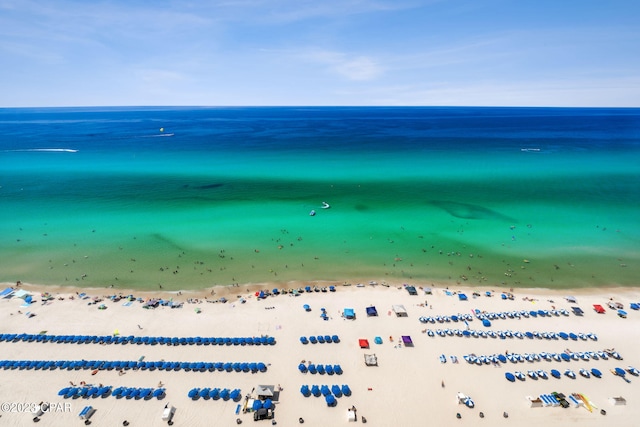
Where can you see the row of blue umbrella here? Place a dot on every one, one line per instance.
(321, 339)
(320, 369)
(329, 394)
(131, 339)
(215, 393)
(512, 334)
(126, 365)
(85, 392)
(536, 357)
(554, 373)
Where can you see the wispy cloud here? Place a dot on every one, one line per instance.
(351, 67)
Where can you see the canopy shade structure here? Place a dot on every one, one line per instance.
(577, 311)
(364, 343)
(571, 299)
(406, 340)
(598, 308)
(400, 311)
(411, 290)
(349, 313)
(265, 391)
(462, 297)
(371, 311)
(370, 360)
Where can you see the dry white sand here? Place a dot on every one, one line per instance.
(405, 389)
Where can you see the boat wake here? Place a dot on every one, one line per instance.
(160, 135)
(46, 150)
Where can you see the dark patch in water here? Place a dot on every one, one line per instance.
(166, 241)
(209, 186)
(361, 208)
(469, 211)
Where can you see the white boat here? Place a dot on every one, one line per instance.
(312, 213)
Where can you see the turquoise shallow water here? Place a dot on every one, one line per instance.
(419, 195)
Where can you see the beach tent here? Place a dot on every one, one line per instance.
(400, 311)
(427, 291)
(577, 311)
(265, 391)
(598, 308)
(411, 290)
(406, 340)
(22, 294)
(462, 297)
(364, 343)
(7, 293)
(371, 311)
(571, 299)
(377, 340)
(370, 360)
(349, 313)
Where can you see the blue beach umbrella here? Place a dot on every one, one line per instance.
(330, 399)
(214, 394)
(315, 390)
(335, 389)
(346, 390)
(509, 376)
(305, 390)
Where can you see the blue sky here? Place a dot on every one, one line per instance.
(321, 52)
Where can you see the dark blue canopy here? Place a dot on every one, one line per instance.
(509, 376)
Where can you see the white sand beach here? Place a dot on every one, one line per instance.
(409, 387)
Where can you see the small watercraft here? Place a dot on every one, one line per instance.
(312, 213)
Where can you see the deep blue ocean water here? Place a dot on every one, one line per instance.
(194, 197)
